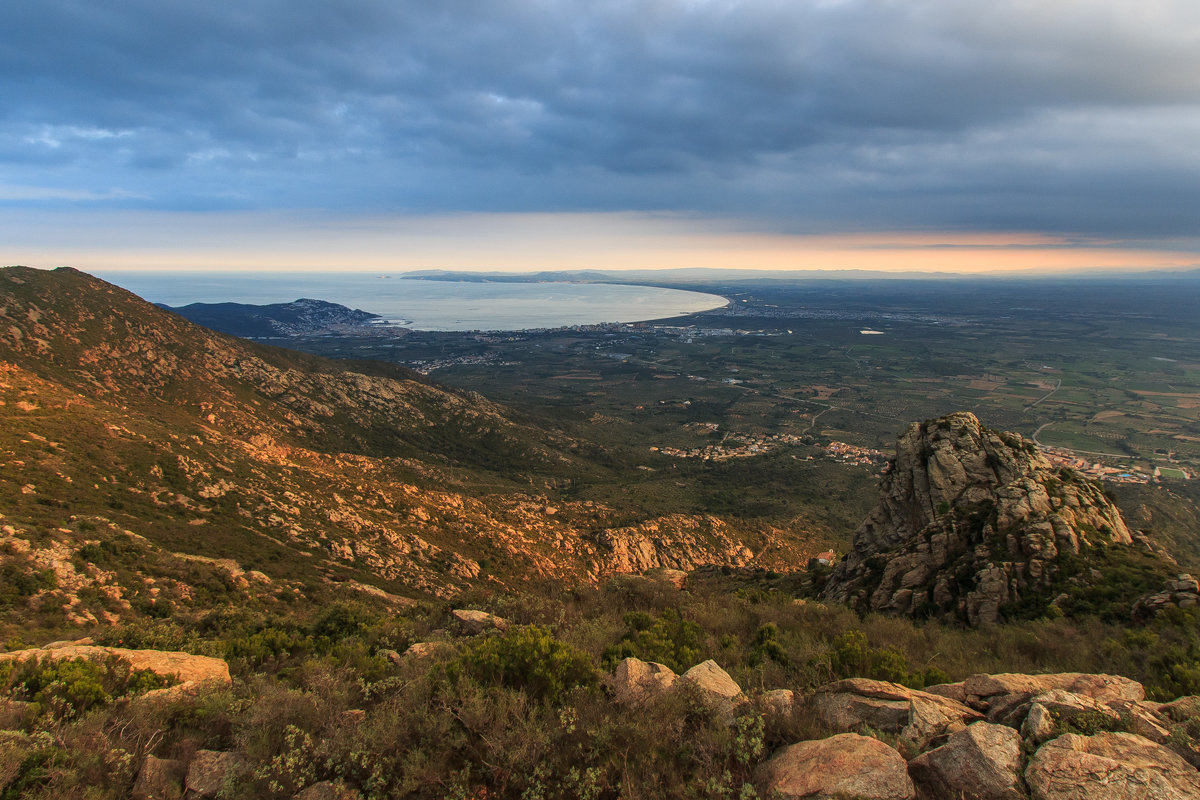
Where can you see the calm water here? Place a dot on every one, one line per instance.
(428, 305)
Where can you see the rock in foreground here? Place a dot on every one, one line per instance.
(980, 762)
(1110, 766)
(846, 765)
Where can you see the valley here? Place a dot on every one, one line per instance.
(610, 561)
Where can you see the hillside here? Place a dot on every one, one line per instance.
(130, 431)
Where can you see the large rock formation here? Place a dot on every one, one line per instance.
(971, 520)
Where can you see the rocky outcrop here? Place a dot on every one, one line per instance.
(859, 704)
(984, 689)
(422, 650)
(846, 765)
(1182, 592)
(980, 762)
(971, 520)
(1110, 766)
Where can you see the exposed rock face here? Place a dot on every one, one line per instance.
(859, 704)
(424, 650)
(970, 520)
(1110, 766)
(846, 765)
(980, 762)
(1098, 687)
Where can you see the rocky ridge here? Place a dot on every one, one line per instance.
(971, 521)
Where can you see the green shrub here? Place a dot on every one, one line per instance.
(21, 580)
(1089, 723)
(668, 639)
(765, 646)
(69, 687)
(851, 656)
(527, 658)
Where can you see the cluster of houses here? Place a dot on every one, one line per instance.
(1096, 470)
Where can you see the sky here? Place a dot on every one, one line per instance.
(944, 135)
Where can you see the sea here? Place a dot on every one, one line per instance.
(428, 305)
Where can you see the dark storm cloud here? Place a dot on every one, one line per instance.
(1064, 115)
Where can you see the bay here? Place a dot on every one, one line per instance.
(428, 305)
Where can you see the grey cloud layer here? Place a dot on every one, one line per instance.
(1054, 114)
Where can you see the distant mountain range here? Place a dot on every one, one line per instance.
(710, 275)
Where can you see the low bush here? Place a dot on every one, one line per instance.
(69, 687)
(527, 658)
(668, 639)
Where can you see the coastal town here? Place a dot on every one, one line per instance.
(735, 445)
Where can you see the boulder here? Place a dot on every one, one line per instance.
(159, 779)
(1110, 766)
(779, 703)
(478, 621)
(857, 704)
(846, 765)
(426, 650)
(676, 577)
(980, 762)
(635, 681)
(717, 690)
(210, 771)
(328, 790)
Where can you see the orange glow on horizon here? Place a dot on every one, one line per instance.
(536, 242)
